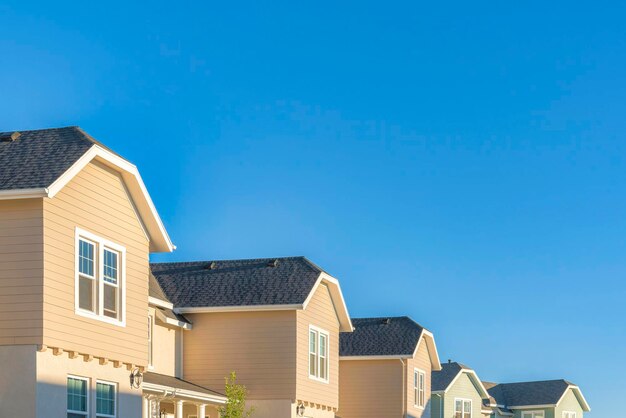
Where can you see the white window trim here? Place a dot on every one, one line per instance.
(100, 244)
(115, 386)
(88, 389)
(317, 355)
(569, 412)
(416, 388)
(463, 400)
(524, 413)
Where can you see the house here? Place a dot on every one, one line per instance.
(275, 322)
(77, 226)
(543, 399)
(458, 392)
(385, 368)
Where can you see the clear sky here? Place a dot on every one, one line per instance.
(463, 163)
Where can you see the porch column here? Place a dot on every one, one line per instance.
(178, 411)
(201, 410)
(145, 407)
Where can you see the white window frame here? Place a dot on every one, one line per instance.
(100, 245)
(463, 401)
(326, 334)
(417, 390)
(532, 414)
(569, 414)
(87, 386)
(115, 388)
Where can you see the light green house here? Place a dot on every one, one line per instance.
(543, 399)
(457, 392)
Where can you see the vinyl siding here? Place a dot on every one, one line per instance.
(370, 388)
(422, 362)
(465, 389)
(95, 200)
(569, 403)
(21, 271)
(259, 346)
(166, 343)
(320, 312)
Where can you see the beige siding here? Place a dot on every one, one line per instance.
(166, 347)
(320, 312)
(21, 271)
(420, 361)
(96, 201)
(569, 403)
(259, 346)
(370, 389)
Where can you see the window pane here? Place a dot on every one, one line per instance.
(85, 293)
(312, 342)
(110, 267)
(76, 394)
(110, 300)
(86, 258)
(322, 345)
(458, 406)
(105, 399)
(467, 406)
(323, 367)
(312, 364)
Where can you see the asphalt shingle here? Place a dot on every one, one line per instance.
(37, 158)
(237, 282)
(441, 379)
(383, 336)
(545, 392)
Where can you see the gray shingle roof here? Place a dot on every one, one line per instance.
(441, 379)
(237, 282)
(396, 336)
(154, 288)
(174, 382)
(37, 158)
(545, 392)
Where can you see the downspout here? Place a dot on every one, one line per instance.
(404, 389)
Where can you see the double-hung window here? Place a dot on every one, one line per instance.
(568, 414)
(99, 278)
(318, 354)
(106, 400)
(77, 398)
(532, 414)
(462, 408)
(419, 388)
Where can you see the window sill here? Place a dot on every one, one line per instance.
(317, 379)
(106, 319)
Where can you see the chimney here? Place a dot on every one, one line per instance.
(10, 138)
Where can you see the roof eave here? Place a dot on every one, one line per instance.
(345, 323)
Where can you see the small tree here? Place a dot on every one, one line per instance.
(236, 395)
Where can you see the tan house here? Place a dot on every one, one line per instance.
(77, 226)
(385, 368)
(275, 322)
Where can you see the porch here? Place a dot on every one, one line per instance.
(170, 397)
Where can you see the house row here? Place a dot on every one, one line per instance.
(89, 328)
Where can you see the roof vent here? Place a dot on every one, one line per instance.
(10, 138)
(386, 321)
(449, 361)
(211, 266)
(273, 263)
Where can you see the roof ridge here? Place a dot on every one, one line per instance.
(227, 259)
(537, 381)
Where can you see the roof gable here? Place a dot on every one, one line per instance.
(40, 163)
(444, 379)
(547, 392)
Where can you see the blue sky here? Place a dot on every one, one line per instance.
(461, 162)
